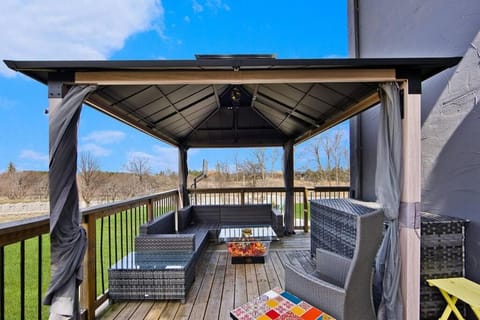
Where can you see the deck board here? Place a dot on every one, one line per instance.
(203, 295)
(252, 285)
(220, 286)
(240, 285)
(156, 310)
(215, 298)
(228, 295)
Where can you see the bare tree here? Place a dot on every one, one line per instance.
(112, 191)
(337, 153)
(89, 174)
(328, 151)
(260, 160)
(139, 166)
(326, 144)
(17, 186)
(222, 173)
(274, 155)
(237, 166)
(42, 187)
(251, 171)
(317, 156)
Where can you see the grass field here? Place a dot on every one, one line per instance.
(12, 278)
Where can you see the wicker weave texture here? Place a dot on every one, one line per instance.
(150, 284)
(165, 242)
(333, 224)
(442, 256)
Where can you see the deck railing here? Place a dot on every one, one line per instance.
(111, 230)
(275, 196)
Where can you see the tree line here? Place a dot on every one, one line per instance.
(328, 154)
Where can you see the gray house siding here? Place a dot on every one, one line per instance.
(450, 103)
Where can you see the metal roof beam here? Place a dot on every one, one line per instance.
(96, 102)
(136, 77)
(292, 112)
(348, 113)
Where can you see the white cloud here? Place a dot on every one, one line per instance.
(217, 5)
(166, 158)
(160, 159)
(197, 7)
(33, 155)
(95, 150)
(88, 29)
(104, 137)
(95, 142)
(212, 5)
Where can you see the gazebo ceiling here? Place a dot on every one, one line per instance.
(239, 100)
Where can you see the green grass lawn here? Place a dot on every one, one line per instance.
(12, 278)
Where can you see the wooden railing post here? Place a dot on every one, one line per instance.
(305, 210)
(150, 210)
(88, 288)
(242, 196)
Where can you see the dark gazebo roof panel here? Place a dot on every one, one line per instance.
(208, 103)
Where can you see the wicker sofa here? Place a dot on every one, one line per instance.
(160, 235)
(198, 224)
(213, 217)
(178, 248)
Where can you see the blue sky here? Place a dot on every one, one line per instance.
(145, 29)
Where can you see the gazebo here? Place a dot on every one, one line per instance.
(227, 101)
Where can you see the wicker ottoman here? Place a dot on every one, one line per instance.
(151, 276)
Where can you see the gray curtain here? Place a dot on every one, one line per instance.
(67, 237)
(289, 213)
(183, 174)
(388, 189)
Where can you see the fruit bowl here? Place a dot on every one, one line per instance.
(248, 248)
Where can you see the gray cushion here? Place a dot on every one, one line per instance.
(161, 225)
(246, 214)
(206, 214)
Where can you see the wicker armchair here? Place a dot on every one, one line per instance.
(340, 286)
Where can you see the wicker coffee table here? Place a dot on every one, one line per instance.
(247, 244)
(151, 276)
(278, 304)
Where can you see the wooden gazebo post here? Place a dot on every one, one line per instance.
(409, 216)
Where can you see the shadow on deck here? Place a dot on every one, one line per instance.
(220, 286)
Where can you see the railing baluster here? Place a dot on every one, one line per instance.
(109, 242)
(39, 280)
(131, 229)
(101, 255)
(127, 236)
(115, 233)
(2, 283)
(22, 279)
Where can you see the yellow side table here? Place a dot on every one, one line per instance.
(453, 289)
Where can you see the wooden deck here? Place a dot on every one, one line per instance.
(220, 286)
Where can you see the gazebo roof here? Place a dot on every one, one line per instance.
(237, 100)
